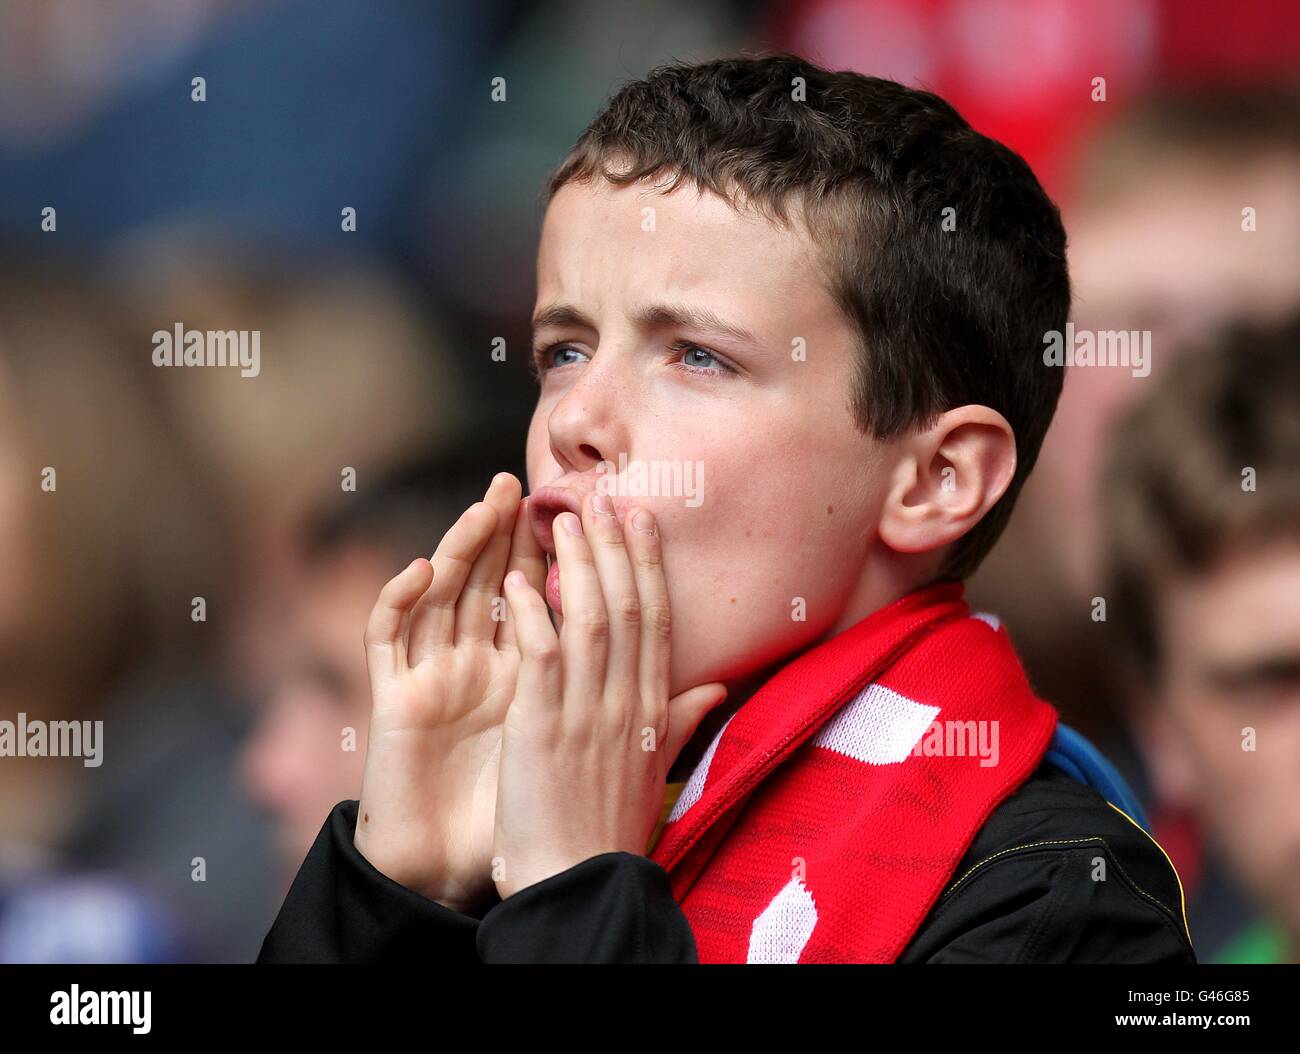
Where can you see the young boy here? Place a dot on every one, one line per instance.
(1203, 536)
(814, 304)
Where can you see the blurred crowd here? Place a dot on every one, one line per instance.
(337, 176)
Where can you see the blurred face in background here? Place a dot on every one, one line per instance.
(1166, 252)
(1231, 681)
(301, 759)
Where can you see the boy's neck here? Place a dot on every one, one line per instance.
(869, 598)
(886, 576)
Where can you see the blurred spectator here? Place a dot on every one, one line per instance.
(101, 563)
(106, 537)
(351, 376)
(1202, 521)
(172, 484)
(308, 748)
(1158, 242)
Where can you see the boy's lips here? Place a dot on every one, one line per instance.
(546, 503)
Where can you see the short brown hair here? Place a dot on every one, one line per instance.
(946, 316)
(1174, 495)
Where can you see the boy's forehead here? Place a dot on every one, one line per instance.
(689, 235)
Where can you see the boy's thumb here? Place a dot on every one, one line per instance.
(686, 711)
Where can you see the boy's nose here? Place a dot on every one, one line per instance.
(588, 424)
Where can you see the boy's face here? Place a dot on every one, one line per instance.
(766, 537)
(1225, 737)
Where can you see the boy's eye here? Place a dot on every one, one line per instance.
(544, 359)
(696, 359)
(692, 358)
(550, 356)
(698, 356)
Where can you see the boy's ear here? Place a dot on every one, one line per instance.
(946, 478)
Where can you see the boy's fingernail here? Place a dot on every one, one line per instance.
(602, 504)
(572, 524)
(644, 522)
(515, 578)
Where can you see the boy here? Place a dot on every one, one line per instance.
(820, 299)
(1203, 535)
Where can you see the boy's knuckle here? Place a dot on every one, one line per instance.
(546, 654)
(660, 620)
(649, 556)
(628, 608)
(594, 626)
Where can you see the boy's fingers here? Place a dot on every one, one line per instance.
(528, 556)
(618, 587)
(584, 636)
(540, 678)
(385, 645)
(685, 712)
(433, 622)
(646, 549)
(474, 621)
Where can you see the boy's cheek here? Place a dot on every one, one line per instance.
(737, 609)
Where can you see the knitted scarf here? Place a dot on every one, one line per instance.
(831, 809)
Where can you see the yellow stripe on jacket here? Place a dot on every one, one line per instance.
(672, 791)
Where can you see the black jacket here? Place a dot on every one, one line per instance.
(1028, 890)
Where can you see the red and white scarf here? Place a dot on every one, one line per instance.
(831, 809)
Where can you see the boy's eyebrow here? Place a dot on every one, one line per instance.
(561, 315)
(692, 318)
(700, 318)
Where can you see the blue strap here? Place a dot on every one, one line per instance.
(1074, 755)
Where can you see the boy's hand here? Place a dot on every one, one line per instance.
(591, 734)
(442, 674)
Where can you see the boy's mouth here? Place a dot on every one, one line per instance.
(544, 505)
